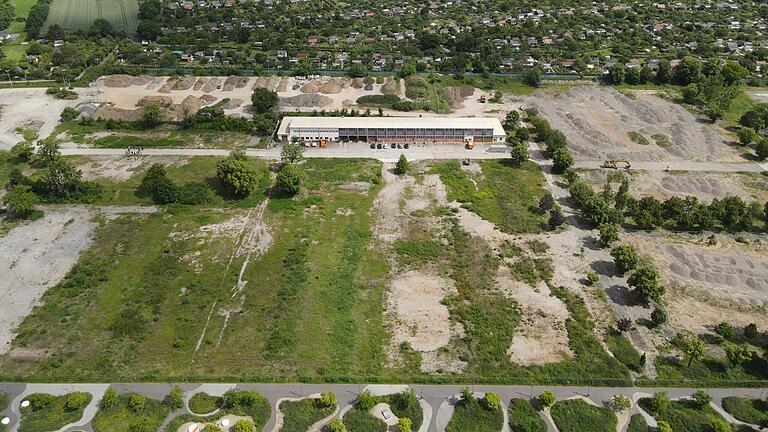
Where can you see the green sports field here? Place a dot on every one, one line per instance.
(80, 14)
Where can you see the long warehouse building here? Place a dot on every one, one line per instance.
(458, 130)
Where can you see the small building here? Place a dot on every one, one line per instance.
(453, 130)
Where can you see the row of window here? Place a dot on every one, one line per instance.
(396, 131)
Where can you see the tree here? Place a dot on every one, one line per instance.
(688, 70)
(401, 167)
(358, 70)
(336, 425)
(547, 399)
(137, 402)
(645, 282)
(68, 114)
(264, 100)
(761, 148)
(664, 72)
(48, 151)
(609, 234)
(492, 401)
(512, 120)
(648, 214)
(76, 400)
(237, 175)
(663, 426)
(404, 424)
(624, 325)
(625, 257)
(292, 151)
(750, 331)
(101, 28)
(244, 426)
(23, 151)
(693, 348)
(733, 73)
(546, 203)
(175, 398)
(561, 160)
(658, 316)
(158, 186)
(289, 179)
(737, 354)
(151, 115)
(616, 74)
(109, 400)
(149, 29)
(532, 77)
(366, 400)
(328, 399)
(519, 153)
(701, 398)
(556, 218)
(632, 76)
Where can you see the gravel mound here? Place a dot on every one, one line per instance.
(306, 101)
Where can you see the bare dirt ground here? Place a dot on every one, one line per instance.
(25, 106)
(122, 168)
(37, 255)
(703, 185)
(709, 284)
(596, 121)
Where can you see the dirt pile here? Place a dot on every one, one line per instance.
(305, 101)
(597, 120)
(120, 80)
(207, 99)
(199, 84)
(233, 82)
(168, 86)
(233, 103)
(389, 87)
(283, 86)
(332, 86)
(185, 83)
(162, 101)
(357, 83)
(108, 112)
(456, 95)
(310, 87)
(270, 83)
(211, 85)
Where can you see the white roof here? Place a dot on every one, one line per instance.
(393, 122)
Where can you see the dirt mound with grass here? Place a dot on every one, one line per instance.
(310, 87)
(456, 95)
(389, 87)
(357, 83)
(211, 85)
(185, 83)
(162, 101)
(306, 101)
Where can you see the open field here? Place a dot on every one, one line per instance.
(80, 14)
(22, 7)
(597, 122)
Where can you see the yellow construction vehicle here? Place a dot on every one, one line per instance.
(616, 164)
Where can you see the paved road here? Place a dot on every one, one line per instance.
(438, 397)
(430, 152)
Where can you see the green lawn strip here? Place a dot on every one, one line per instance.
(474, 416)
(684, 415)
(637, 423)
(22, 7)
(121, 418)
(357, 420)
(504, 195)
(125, 141)
(51, 417)
(710, 369)
(523, 418)
(203, 403)
(754, 411)
(4, 401)
(299, 415)
(623, 350)
(575, 415)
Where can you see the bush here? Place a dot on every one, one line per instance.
(175, 398)
(336, 425)
(701, 398)
(609, 234)
(619, 403)
(195, 193)
(404, 424)
(39, 401)
(625, 257)
(645, 283)
(69, 114)
(137, 402)
(328, 399)
(235, 174)
(203, 403)
(77, 400)
(492, 400)
(380, 100)
(637, 424)
(366, 401)
(659, 402)
(23, 151)
(243, 426)
(523, 418)
(289, 179)
(547, 399)
(750, 331)
(402, 165)
(575, 415)
(109, 400)
(20, 201)
(158, 186)
(663, 426)
(725, 330)
(658, 316)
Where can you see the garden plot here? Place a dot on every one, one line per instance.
(597, 122)
(703, 185)
(707, 283)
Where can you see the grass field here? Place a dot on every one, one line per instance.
(136, 304)
(22, 7)
(80, 14)
(122, 418)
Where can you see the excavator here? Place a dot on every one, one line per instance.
(616, 164)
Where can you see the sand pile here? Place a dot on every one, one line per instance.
(207, 99)
(332, 86)
(456, 95)
(114, 113)
(168, 86)
(305, 101)
(121, 80)
(283, 86)
(211, 85)
(310, 87)
(389, 87)
(357, 83)
(200, 83)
